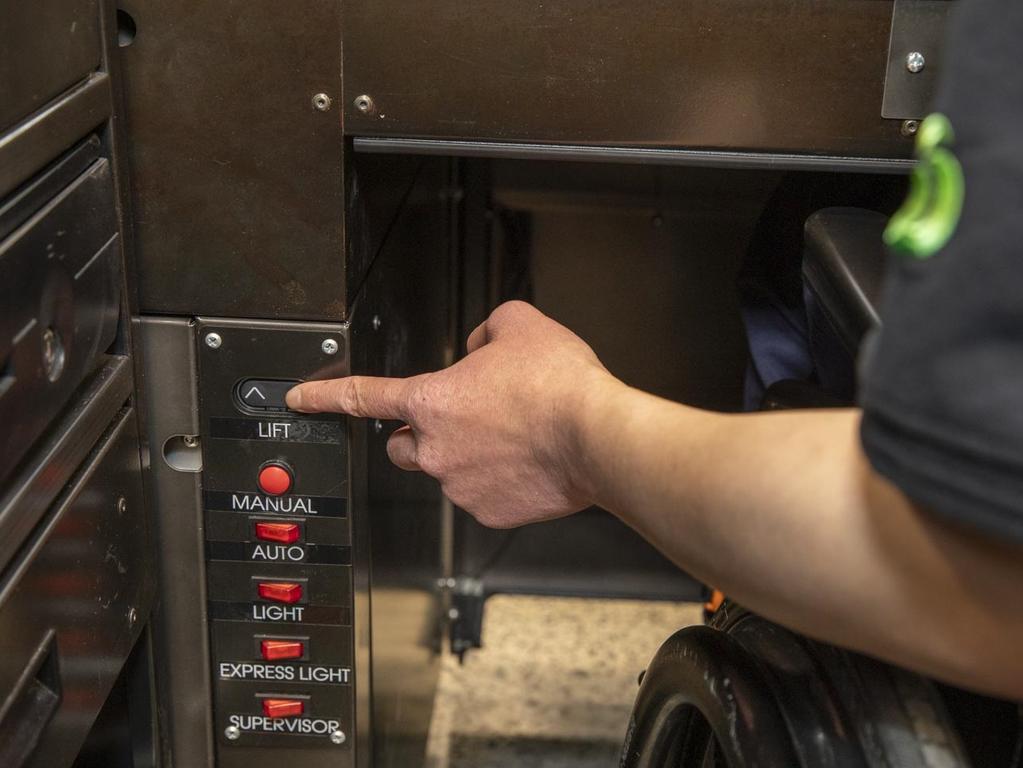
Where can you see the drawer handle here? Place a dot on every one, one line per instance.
(29, 707)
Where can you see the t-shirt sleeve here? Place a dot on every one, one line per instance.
(942, 381)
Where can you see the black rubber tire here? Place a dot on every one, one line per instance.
(898, 716)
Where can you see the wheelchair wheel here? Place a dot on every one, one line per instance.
(746, 692)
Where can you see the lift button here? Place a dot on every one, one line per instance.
(280, 591)
(277, 650)
(265, 394)
(275, 479)
(285, 533)
(283, 707)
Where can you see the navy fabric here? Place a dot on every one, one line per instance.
(779, 346)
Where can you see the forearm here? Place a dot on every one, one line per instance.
(783, 512)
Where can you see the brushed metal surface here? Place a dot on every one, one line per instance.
(46, 47)
(236, 177)
(789, 76)
(918, 27)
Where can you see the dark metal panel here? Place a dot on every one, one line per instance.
(124, 733)
(47, 46)
(28, 495)
(914, 57)
(172, 485)
(61, 301)
(591, 554)
(236, 175)
(86, 581)
(237, 443)
(401, 327)
(377, 188)
(631, 155)
(35, 142)
(786, 76)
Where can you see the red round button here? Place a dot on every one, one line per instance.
(274, 479)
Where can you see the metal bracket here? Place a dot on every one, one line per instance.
(465, 614)
(914, 57)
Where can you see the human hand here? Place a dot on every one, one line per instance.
(499, 429)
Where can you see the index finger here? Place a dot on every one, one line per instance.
(363, 396)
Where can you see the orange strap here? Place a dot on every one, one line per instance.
(716, 598)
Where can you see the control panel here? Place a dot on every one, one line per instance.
(278, 532)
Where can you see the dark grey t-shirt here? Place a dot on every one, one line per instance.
(943, 381)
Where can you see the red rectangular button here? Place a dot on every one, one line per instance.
(275, 650)
(285, 533)
(280, 591)
(283, 707)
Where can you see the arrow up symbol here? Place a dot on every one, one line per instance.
(256, 390)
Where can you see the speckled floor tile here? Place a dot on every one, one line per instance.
(552, 686)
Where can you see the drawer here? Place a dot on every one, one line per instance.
(61, 296)
(48, 46)
(72, 604)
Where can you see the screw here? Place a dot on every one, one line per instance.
(232, 732)
(909, 127)
(54, 356)
(376, 322)
(213, 340)
(329, 347)
(190, 441)
(322, 102)
(364, 104)
(915, 61)
(122, 505)
(338, 737)
(133, 616)
(453, 614)
(378, 426)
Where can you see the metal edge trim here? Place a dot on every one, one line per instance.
(180, 634)
(36, 141)
(632, 155)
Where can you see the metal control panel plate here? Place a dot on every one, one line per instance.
(278, 546)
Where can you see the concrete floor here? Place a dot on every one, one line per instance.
(553, 685)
